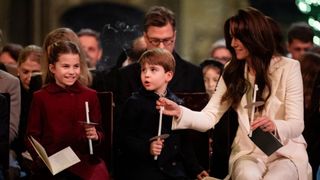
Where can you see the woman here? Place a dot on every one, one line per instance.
(250, 40)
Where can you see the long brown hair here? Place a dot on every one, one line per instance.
(252, 28)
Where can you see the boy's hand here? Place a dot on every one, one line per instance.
(156, 147)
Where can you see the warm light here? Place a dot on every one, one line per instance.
(304, 7)
(312, 9)
(316, 40)
(314, 23)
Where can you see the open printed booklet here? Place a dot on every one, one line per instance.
(58, 161)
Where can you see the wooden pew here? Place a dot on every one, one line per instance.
(107, 107)
(197, 101)
(222, 136)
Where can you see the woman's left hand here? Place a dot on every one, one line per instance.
(264, 123)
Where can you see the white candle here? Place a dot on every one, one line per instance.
(253, 107)
(88, 121)
(160, 126)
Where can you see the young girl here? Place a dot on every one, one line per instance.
(211, 70)
(57, 111)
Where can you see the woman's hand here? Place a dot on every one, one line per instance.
(91, 132)
(202, 175)
(170, 108)
(264, 123)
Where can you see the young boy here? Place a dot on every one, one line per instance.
(140, 122)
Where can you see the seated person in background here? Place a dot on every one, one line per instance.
(4, 130)
(133, 54)
(9, 57)
(300, 39)
(90, 42)
(28, 65)
(106, 81)
(140, 122)
(212, 71)
(221, 137)
(310, 69)
(10, 53)
(57, 110)
(10, 84)
(220, 52)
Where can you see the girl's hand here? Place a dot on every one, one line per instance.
(91, 132)
(170, 108)
(156, 147)
(264, 123)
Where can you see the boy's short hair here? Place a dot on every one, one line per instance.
(159, 56)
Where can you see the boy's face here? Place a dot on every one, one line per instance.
(154, 78)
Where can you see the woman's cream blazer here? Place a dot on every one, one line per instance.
(284, 108)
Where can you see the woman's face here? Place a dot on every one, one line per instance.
(242, 53)
(25, 71)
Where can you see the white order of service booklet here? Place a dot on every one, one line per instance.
(58, 161)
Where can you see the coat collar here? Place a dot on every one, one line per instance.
(54, 88)
(170, 95)
(275, 64)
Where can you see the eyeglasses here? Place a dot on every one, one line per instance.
(156, 41)
(300, 49)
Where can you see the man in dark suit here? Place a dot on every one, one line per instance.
(160, 32)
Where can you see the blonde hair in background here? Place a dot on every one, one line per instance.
(64, 34)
